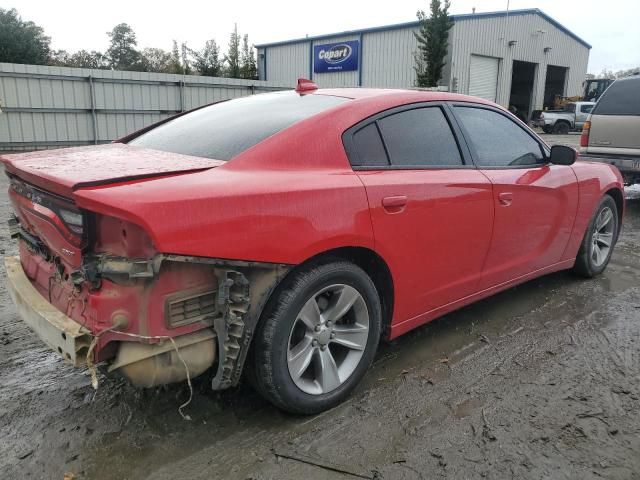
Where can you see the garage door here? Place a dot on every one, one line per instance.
(483, 77)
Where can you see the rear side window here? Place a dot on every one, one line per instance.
(226, 129)
(420, 137)
(497, 140)
(586, 108)
(369, 150)
(621, 98)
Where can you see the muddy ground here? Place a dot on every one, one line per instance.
(541, 381)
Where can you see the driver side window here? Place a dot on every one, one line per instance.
(497, 140)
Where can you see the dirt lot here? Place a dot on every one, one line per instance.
(541, 381)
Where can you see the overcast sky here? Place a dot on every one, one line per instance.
(611, 26)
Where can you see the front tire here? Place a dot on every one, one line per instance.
(317, 337)
(599, 239)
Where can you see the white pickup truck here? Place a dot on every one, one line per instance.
(563, 121)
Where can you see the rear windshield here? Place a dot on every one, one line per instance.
(621, 98)
(226, 129)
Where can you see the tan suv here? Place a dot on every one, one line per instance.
(612, 133)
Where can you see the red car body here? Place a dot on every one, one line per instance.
(444, 237)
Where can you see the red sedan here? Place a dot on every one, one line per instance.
(284, 234)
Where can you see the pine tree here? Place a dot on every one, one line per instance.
(433, 43)
(248, 67)
(232, 58)
(207, 61)
(122, 53)
(184, 57)
(174, 62)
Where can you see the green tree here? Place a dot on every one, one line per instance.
(86, 59)
(248, 67)
(184, 57)
(20, 41)
(232, 58)
(122, 53)
(156, 60)
(433, 43)
(175, 66)
(207, 61)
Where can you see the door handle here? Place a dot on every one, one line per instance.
(395, 203)
(505, 198)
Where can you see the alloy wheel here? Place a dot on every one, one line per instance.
(602, 239)
(328, 339)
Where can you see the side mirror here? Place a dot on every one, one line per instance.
(563, 155)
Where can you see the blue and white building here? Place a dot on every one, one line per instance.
(520, 57)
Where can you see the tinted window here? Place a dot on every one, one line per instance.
(570, 107)
(420, 137)
(224, 130)
(498, 140)
(586, 108)
(369, 150)
(621, 98)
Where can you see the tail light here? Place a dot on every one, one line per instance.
(584, 137)
(58, 210)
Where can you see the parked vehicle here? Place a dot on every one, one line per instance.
(612, 133)
(592, 90)
(286, 233)
(571, 117)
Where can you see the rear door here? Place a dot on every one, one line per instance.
(431, 209)
(615, 120)
(535, 203)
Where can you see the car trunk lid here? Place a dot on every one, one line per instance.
(64, 171)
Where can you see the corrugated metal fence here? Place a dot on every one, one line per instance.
(45, 107)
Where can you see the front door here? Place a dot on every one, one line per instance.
(535, 203)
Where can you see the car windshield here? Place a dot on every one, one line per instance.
(226, 129)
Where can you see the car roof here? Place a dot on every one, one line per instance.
(402, 95)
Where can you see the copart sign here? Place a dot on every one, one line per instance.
(336, 57)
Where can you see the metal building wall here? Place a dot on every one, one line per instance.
(45, 107)
(388, 58)
(490, 37)
(387, 54)
(287, 63)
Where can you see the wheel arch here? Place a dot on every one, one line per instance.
(374, 266)
(368, 260)
(618, 197)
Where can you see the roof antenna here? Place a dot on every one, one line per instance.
(473, 10)
(305, 85)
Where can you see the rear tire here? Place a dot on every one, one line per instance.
(599, 240)
(561, 128)
(317, 337)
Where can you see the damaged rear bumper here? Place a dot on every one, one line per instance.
(64, 335)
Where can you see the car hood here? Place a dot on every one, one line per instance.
(66, 170)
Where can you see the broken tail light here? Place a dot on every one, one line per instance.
(69, 219)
